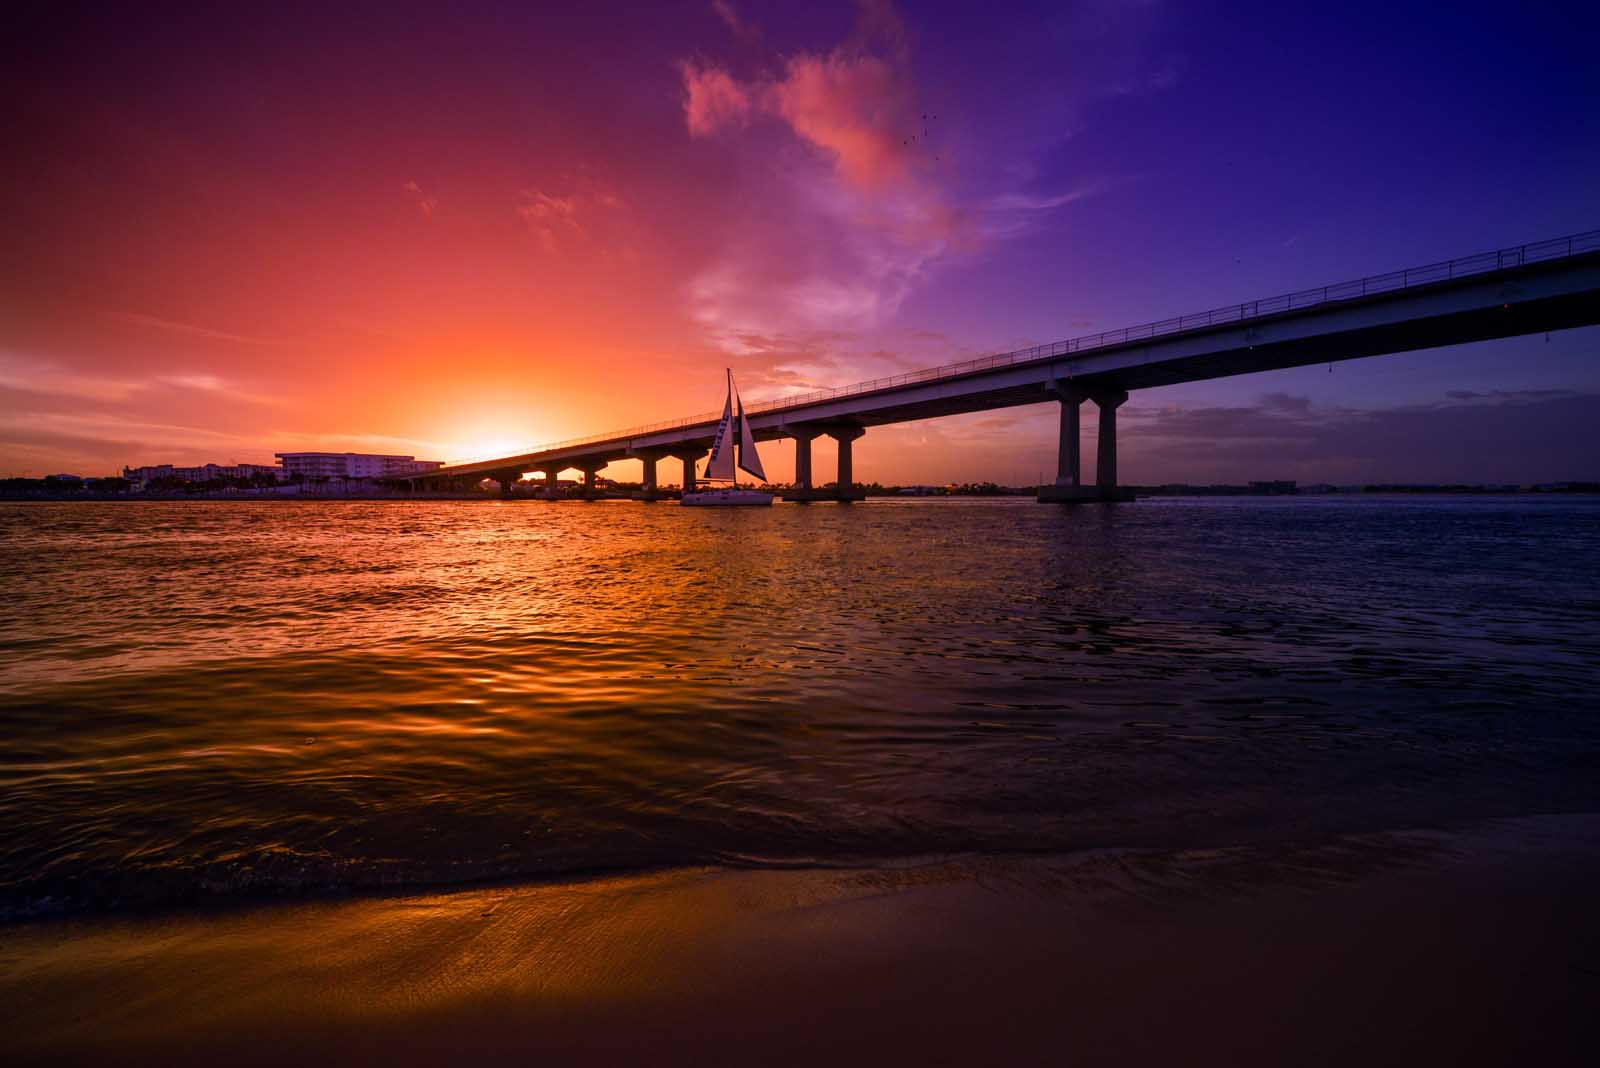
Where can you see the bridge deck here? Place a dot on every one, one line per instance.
(1530, 288)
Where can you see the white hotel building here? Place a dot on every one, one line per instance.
(312, 465)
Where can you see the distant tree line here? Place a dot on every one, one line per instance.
(51, 486)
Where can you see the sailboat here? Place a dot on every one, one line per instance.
(723, 466)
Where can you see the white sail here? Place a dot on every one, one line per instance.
(721, 463)
(749, 458)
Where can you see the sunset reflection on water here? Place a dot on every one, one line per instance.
(206, 699)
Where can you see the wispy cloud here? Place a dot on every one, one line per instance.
(304, 441)
(68, 439)
(558, 221)
(151, 322)
(84, 439)
(209, 383)
(742, 28)
(44, 379)
(1010, 214)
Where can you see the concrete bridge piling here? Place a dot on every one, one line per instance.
(845, 436)
(689, 460)
(804, 489)
(1108, 402)
(802, 458)
(1068, 487)
(649, 483)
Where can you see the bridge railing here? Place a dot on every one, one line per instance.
(1409, 278)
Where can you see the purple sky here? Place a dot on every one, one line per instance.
(453, 229)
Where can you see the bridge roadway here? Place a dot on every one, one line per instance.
(1549, 285)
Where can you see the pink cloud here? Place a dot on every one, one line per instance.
(857, 103)
(847, 232)
(424, 203)
(714, 100)
(858, 108)
(854, 223)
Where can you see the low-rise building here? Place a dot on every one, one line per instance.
(142, 476)
(316, 465)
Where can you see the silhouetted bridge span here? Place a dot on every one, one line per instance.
(1547, 285)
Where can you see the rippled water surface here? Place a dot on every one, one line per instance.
(200, 699)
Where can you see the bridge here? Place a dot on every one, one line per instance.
(1525, 289)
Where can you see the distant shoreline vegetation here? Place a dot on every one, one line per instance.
(66, 488)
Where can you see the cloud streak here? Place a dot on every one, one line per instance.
(151, 322)
(742, 28)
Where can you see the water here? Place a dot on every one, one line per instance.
(206, 700)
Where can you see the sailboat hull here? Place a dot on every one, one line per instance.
(726, 498)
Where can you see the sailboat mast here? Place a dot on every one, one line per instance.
(739, 453)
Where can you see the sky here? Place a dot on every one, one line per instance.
(467, 229)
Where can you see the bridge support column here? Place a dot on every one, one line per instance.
(805, 487)
(552, 482)
(590, 489)
(508, 481)
(1106, 460)
(650, 484)
(1069, 451)
(845, 436)
(802, 459)
(689, 460)
(1069, 487)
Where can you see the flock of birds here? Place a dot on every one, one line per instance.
(913, 138)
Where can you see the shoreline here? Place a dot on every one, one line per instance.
(1476, 945)
(671, 495)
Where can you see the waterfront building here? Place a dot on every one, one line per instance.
(312, 465)
(141, 476)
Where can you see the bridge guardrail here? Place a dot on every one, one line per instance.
(1410, 277)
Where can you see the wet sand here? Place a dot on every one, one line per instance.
(1479, 946)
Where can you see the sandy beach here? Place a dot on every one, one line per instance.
(1478, 946)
